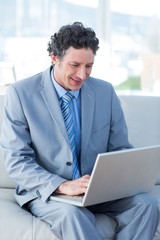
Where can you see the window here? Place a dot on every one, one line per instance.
(129, 54)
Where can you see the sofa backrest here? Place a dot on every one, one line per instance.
(142, 115)
(5, 180)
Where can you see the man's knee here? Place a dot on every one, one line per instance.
(146, 201)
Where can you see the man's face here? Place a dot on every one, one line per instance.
(74, 68)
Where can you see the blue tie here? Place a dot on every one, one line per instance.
(71, 132)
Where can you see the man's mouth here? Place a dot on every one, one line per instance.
(76, 80)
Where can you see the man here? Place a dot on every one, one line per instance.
(55, 123)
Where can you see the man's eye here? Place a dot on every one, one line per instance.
(74, 65)
(89, 66)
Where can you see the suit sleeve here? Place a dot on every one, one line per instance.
(118, 138)
(19, 156)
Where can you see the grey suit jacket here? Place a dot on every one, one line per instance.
(34, 138)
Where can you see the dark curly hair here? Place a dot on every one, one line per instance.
(75, 35)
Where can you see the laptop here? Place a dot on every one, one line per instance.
(117, 175)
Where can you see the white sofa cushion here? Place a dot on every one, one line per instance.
(18, 224)
(142, 114)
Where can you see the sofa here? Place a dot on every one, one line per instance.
(143, 119)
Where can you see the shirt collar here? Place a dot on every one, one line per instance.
(62, 91)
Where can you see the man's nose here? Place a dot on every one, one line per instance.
(81, 73)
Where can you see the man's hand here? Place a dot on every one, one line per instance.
(74, 187)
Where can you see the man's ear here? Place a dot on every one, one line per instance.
(54, 58)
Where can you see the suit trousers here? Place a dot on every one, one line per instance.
(136, 217)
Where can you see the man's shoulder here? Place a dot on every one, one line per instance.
(99, 83)
(28, 80)
(31, 82)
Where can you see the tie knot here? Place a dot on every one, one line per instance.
(67, 97)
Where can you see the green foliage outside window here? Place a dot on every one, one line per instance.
(132, 83)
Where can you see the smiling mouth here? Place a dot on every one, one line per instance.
(75, 80)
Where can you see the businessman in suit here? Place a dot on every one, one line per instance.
(41, 157)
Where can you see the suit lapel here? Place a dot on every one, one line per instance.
(50, 98)
(87, 112)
